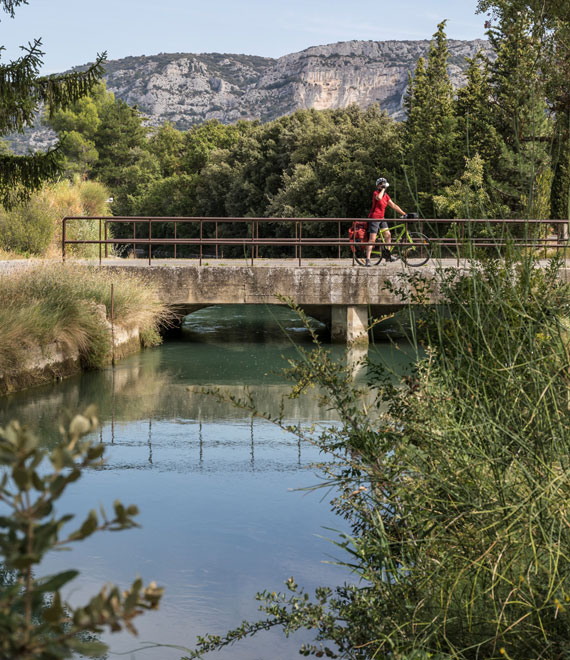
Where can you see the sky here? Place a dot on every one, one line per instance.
(74, 31)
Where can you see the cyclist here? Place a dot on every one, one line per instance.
(380, 200)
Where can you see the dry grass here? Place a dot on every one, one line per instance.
(65, 304)
(6, 255)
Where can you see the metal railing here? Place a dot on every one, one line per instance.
(459, 235)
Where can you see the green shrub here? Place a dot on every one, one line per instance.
(28, 228)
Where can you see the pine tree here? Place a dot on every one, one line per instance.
(22, 93)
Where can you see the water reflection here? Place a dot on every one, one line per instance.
(220, 519)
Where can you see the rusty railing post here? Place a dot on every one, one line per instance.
(63, 227)
(149, 241)
(216, 239)
(300, 239)
(257, 237)
(339, 239)
(252, 241)
(175, 239)
(296, 240)
(201, 236)
(134, 237)
(113, 323)
(100, 246)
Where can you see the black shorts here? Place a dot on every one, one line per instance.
(375, 225)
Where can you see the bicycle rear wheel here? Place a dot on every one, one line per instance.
(360, 253)
(418, 253)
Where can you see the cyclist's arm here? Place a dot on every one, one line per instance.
(395, 207)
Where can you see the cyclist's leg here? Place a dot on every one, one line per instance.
(386, 236)
(372, 239)
(373, 227)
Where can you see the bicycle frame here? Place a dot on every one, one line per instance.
(403, 233)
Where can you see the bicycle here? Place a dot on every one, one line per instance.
(412, 247)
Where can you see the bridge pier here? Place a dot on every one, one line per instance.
(349, 324)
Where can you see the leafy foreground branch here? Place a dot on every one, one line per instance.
(35, 623)
(456, 487)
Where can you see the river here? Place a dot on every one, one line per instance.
(221, 514)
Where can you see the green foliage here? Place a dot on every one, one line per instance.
(455, 483)
(201, 140)
(27, 228)
(476, 130)
(466, 198)
(35, 620)
(125, 165)
(167, 145)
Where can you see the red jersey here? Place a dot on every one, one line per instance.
(378, 205)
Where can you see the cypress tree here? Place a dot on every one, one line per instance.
(431, 125)
(416, 166)
(476, 133)
(22, 93)
(557, 73)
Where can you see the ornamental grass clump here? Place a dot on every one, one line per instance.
(456, 488)
(71, 305)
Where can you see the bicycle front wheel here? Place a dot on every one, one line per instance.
(360, 253)
(418, 253)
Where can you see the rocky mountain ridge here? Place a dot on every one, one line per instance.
(190, 88)
(186, 89)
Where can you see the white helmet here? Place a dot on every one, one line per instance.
(382, 182)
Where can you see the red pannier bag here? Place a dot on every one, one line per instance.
(358, 233)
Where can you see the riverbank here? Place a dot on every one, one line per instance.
(57, 320)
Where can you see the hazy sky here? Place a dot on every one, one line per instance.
(73, 31)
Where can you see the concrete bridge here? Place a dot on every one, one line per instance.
(335, 291)
(343, 296)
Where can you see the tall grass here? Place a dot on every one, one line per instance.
(70, 305)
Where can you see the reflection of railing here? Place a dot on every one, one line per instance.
(459, 234)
